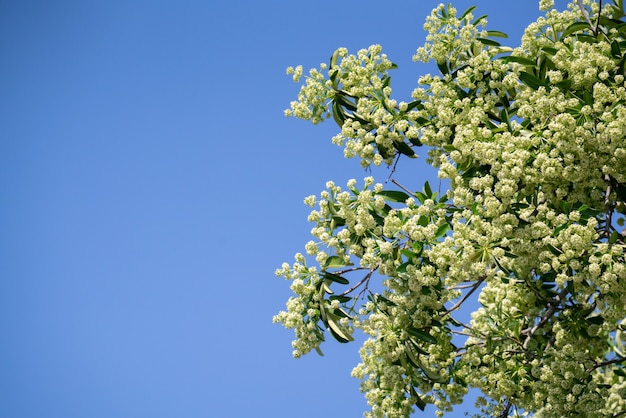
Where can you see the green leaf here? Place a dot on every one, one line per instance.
(478, 19)
(497, 34)
(338, 333)
(335, 261)
(575, 27)
(341, 99)
(468, 11)
(336, 278)
(393, 195)
(442, 230)
(422, 335)
(488, 42)
(443, 67)
(520, 60)
(403, 148)
(340, 298)
(530, 80)
(415, 104)
(338, 114)
(419, 402)
(427, 190)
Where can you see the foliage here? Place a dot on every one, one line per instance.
(532, 140)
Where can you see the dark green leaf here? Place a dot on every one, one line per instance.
(497, 34)
(338, 333)
(422, 335)
(335, 261)
(619, 371)
(575, 27)
(443, 67)
(478, 19)
(489, 42)
(414, 104)
(338, 114)
(336, 278)
(403, 148)
(427, 190)
(340, 298)
(442, 230)
(468, 11)
(520, 60)
(393, 195)
(531, 81)
(419, 402)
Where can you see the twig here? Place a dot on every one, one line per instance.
(393, 169)
(356, 286)
(545, 318)
(606, 363)
(464, 298)
(402, 187)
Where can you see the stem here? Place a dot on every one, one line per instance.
(464, 298)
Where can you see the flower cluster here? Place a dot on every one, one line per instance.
(532, 142)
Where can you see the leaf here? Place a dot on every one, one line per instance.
(468, 11)
(575, 27)
(520, 60)
(341, 313)
(427, 190)
(489, 42)
(326, 288)
(338, 333)
(530, 80)
(393, 195)
(415, 104)
(443, 67)
(442, 230)
(335, 261)
(338, 114)
(336, 278)
(340, 298)
(478, 19)
(422, 335)
(419, 402)
(497, 34)
(403, 148)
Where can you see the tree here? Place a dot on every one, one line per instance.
(532, 141)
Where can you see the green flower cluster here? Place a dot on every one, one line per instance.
(533, 142)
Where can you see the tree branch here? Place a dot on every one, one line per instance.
(545, 318)
(464, 298)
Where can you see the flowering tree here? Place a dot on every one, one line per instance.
(533, 143)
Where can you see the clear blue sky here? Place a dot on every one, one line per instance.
(150, 185)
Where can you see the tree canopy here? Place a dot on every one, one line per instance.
(532, 142)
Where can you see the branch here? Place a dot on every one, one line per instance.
(402, 187)
(606, 363)
(464, 298)
(585, 14)
(545, 318)
(356, 286)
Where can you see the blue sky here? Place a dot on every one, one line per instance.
(150, 185)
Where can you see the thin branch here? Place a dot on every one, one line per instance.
(606, 363)
(464, 298)
(393, 169)
(344, 271)
(545, 318)
(585, 13)
(598, 18)
(356, 286)
(402, 187)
